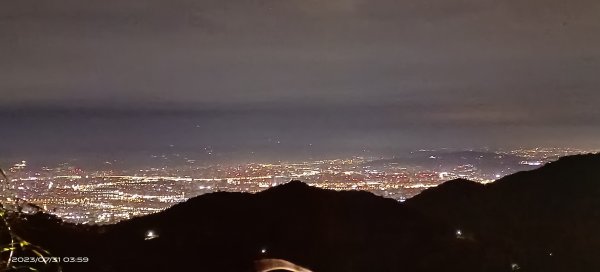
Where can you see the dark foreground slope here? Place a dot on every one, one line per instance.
(319, 229)
(542, 220)
(546, 219)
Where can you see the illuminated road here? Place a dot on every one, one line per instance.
(266, 265)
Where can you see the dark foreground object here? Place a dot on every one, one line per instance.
(542, 220)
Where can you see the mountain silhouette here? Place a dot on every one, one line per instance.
(545, 219)
(541, 220)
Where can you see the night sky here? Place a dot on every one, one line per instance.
(296, 77)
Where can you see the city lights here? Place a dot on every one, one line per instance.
(107, 196)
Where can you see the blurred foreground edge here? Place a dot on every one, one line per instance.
(266, 265)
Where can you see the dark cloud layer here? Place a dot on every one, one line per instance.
(440, 64)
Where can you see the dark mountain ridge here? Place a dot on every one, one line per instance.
(547, 217)
(485, 161)
(541, 220)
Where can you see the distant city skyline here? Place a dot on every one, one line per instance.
(111, 191)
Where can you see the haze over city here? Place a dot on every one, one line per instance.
(274, 80)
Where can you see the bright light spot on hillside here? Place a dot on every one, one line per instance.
(151, 235)
(459, 234)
